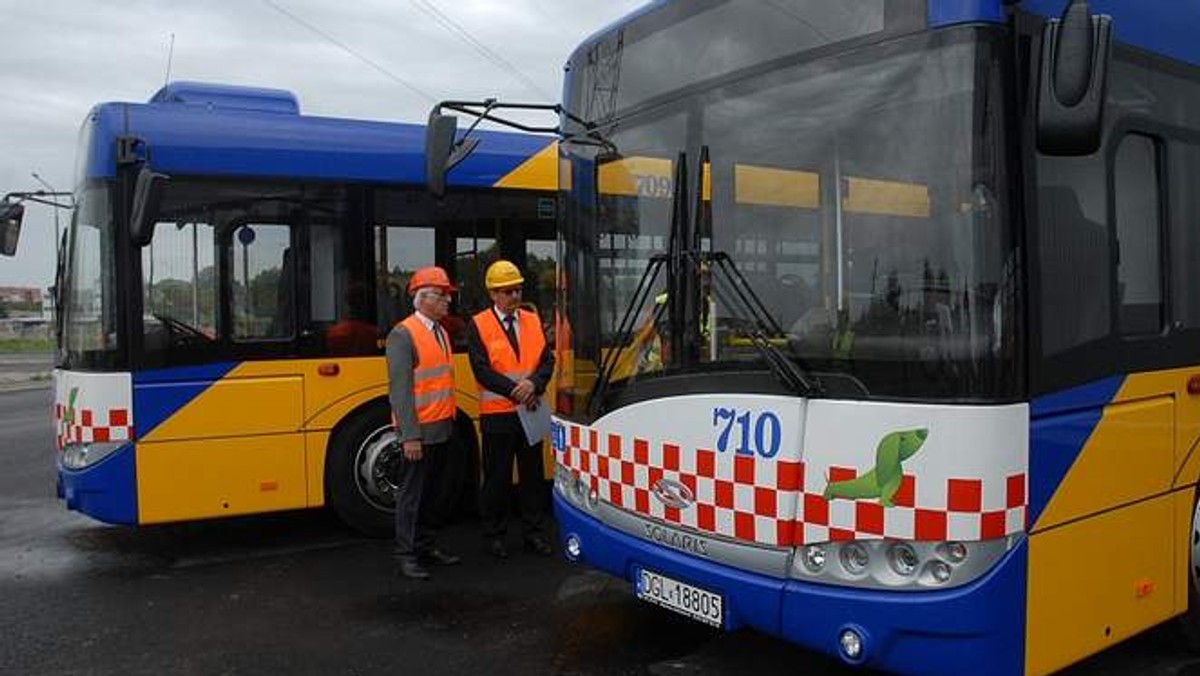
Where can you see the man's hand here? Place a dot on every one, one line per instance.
(525, 393)
(412, 450)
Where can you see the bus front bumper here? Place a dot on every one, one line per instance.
(977, 628)
(106, 491)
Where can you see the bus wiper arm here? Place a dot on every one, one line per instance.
(625, 330)
(646, 283)
(792, 374)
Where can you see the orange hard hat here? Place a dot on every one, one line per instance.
(430, 276)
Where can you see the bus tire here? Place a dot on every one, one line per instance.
(1189, 622)
(358, 472)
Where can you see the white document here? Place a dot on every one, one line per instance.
(536, 423)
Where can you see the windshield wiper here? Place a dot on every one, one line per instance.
(625, 331)
(786, 369)
(673, 260)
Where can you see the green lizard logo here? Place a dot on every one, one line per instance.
(69, 414)
(883, 480)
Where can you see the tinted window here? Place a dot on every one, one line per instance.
(1185, 232)
(674, 46)
(401, 251)
(1137, 216)
(264, 282)
(179, 287)
(1073, 239)
(89, 302)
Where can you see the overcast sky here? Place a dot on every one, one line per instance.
(60, 57)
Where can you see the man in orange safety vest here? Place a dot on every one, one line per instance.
(512, 365)
(421, 393)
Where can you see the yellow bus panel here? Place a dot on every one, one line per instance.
(1095, 582)
(886, 198)
(539, 172)
(1130, 455)
(315, 445)
(185, 480)
(637, 177)
(240, 404)
(776, 187)
(1184, 501)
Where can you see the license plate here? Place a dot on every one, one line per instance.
(683, 598)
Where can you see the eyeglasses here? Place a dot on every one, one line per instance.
(436, 295)
(510, 292)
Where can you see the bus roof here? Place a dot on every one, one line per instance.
(1164, 27)
(220, 130)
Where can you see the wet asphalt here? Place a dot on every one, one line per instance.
(297, 593)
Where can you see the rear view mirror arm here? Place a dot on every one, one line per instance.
(42, 197)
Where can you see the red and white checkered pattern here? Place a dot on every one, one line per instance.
(776, 502)
(749, 499)
(84, 426)
(954, 509)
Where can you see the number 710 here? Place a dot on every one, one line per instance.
(767, 431)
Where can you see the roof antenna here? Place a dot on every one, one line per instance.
(170, 55)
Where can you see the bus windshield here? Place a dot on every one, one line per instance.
(89, 299)
(863, 199)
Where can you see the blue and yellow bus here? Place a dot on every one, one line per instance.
(883, 335)
(230, 272)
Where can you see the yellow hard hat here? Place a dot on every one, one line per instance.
(501, 275)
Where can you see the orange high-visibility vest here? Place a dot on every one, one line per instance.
(502, 358)
(433, 377)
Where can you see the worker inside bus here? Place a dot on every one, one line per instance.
(353, 334)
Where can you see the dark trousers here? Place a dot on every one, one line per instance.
(419, 512)
(501, 443)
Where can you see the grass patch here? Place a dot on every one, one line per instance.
(26, 346)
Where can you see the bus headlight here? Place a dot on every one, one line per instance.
(899, 565)
(576, 488)
(855, 558)
(903, 559)
(80, 455)
(562, 480)
(814, 558)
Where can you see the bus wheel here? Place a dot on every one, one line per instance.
(359, 472)
(1189, 622)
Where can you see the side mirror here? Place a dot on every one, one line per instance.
(10, 227)
(1072, 81)
(442, 151)
(147, 198)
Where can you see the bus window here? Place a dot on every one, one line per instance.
(179, 286)
(539, 280)
(263, 271)
(339, 295)
(1139, 270)
(472, 256)
(1074, 252)
(325, 257)
(401, 250)
(1185, 240)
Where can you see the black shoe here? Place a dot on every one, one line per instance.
(412, 569)
(438, 557)
(496, 548)
(538, 546)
